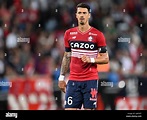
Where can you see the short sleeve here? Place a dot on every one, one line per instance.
(101, 40)
(66, 41)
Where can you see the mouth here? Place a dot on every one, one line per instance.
(81, 18)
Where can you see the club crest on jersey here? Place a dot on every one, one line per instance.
(90, 38)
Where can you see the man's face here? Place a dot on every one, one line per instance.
(82, 15)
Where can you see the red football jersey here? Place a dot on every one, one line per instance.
(83, 43)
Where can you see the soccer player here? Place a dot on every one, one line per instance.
(85, 47)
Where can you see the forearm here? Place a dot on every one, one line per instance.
(102, 60)
(65, 63)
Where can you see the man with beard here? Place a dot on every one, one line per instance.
(85, 47)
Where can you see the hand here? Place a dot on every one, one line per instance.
(85, 58)
(62, 86)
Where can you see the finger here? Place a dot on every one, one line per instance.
(83, 56)
(83, 59)
(63, 90)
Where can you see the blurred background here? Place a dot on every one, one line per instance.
(31, 50)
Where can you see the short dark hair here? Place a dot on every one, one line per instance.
(84, 5)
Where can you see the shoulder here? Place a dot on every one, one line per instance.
(97, 33)
(95, 30)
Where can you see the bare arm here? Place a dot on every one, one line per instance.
(65, 63)
(102, 58)
(64, 68)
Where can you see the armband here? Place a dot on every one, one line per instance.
(103, 49)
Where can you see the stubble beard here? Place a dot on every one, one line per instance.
(81, 23)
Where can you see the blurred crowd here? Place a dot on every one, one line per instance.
(31, 34)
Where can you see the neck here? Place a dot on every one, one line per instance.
(84, 28)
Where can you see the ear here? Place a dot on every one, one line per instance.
(89, 15)
(76, 15)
